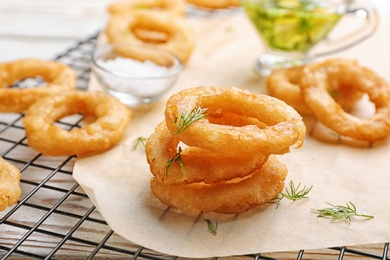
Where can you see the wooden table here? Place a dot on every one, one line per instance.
(42, 28)
(56, 218)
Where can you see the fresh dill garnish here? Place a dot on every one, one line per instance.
(293, 193)
(277, 200)
(178, 160)
(185, 120)
(213, 228)
(139, 141)
(339, 212)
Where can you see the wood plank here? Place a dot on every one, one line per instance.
(43, 28)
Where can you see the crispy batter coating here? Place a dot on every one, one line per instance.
(158, 29)
(284, 84)
(283, 126)
(112, 119)
(58, 77)
(9, 184)
(201, 165)
(225, 197)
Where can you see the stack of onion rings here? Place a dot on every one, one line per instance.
(9, 185)
(112, 118)
(122, 7)
(58, 77)
(329, 90)
(228, 161)
(156, 28)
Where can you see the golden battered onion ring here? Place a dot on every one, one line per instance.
(283, 125)
(112, 118)
(225, 197)
(159, 29)
(284, 84)
(200, 165)
(58, 77)
(215, 4)
(9, 185)
(124, 7)
(314, 82)
(234, 120)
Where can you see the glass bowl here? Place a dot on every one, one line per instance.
(135, 74)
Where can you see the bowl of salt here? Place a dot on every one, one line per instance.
(135, 74)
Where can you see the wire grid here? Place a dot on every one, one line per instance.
(50, 196)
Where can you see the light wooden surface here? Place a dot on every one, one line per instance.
(43, 28)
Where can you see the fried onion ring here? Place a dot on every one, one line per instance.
(158, 29)
(9, 184)
(215, 4)
(317, 77)
(112, 118)
(283, 125)
(284, 84)
(162, 145)
(58, 77)
(123, 7)
(226, 197)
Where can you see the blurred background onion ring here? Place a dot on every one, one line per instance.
(58, 78)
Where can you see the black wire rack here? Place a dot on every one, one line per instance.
(30, 230)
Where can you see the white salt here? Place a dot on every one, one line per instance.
(134, 68)
(138, 78)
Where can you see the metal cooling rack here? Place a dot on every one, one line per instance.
(50, 196)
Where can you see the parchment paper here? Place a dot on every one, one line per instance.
(340, 171)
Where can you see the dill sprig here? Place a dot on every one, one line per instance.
(277, 200)
(339, 212)
(213, 228)
(293, 193)
(139, 141)
(176, 158)
(185, 120)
